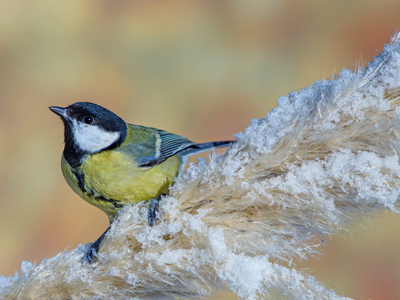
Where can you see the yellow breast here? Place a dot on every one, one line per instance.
(112, 179)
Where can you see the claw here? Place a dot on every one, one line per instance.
(153, 209)
(91, 254)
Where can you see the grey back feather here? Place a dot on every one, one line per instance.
(151, 146)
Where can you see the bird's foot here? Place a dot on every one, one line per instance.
(153, 209)
(91, 253)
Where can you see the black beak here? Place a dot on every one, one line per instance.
(62, 112)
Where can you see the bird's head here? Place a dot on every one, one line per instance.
(90, 128)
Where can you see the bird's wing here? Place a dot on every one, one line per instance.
(151, 146)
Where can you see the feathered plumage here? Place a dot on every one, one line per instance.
(324, 156)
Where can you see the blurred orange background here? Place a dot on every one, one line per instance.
(202, 69)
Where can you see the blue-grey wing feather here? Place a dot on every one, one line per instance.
(151, 146)
(171, 143)
(163, 145)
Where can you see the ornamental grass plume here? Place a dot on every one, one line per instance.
(325, 156)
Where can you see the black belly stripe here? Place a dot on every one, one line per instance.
(114, 202)
(81, 183)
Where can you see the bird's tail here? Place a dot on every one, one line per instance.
(199, 148)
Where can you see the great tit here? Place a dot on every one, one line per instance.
(110, 163)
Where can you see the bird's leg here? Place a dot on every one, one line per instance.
(153, 209)
(91, 254)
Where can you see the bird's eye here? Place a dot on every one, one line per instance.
(88, 120)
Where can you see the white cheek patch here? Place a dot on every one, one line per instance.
(91, 138)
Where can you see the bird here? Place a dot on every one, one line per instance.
(111, 163)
